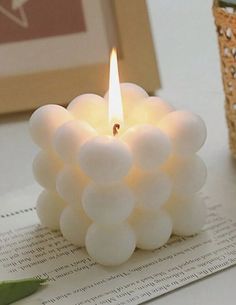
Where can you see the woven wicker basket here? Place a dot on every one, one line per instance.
(225, 21)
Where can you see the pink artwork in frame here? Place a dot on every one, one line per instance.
(32, 19)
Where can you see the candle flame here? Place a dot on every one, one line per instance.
(115, 108)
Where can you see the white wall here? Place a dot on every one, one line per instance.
(186, 45)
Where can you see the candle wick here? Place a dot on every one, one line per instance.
(116, 127)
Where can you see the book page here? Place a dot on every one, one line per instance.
(27, 249)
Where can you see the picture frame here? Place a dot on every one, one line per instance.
(137, 63)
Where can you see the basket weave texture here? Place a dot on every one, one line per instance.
(225, 21)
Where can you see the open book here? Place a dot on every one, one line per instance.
(27, 250)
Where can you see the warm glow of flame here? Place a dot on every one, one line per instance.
(115, 108)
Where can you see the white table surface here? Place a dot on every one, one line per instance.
(189, 66)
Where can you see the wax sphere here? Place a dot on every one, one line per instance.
(138, 115)
(152, 229)
(46, 166)
(149, 145)
(110, 245)
(70, 185)
(188, 214)
(108, 204)
(69, 137)
(157, 109)
(49, 208)
(89, 107)
(152, 190)
(74, 225)
(132, 93)
(45, 121)
(186, 130)
(105, 159)
(188, 174)
(133, 102)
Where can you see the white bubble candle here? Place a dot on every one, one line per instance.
(119, 171)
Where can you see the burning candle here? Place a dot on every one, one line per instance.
(116, 170)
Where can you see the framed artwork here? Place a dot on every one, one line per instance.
(54, 50)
